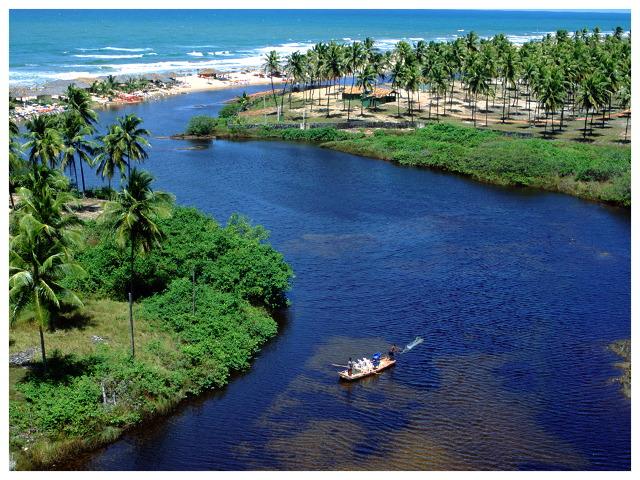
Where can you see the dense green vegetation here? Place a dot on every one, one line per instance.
(203, 125)
(203, 294)
(599, 172)
(235, 259)
(238, 275)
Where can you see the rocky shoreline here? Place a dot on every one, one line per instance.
(623, 350)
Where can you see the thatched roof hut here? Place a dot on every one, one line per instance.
(20, 93)
(156, 78)
(377, 96)
(65, 83)
(211, 72)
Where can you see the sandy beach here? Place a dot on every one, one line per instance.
(194, 83)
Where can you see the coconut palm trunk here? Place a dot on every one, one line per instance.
(133, 347)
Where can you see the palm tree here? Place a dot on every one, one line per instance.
(471, 41)
(396, 75)
(617, 33)
(369, 48)
(44, 141)
(529, 71)
(333, 66)
(552, 94)
(510, 66)
(612, 77)
(590, 95)
(40, 252)
(402, 50)
(439, 85)
(420, 51)
(455, 58)
(109, 156)
(74, 131)
(16, 163)
(271, 66)
(378, 64)
(296, 68)
(129, 139)
(353, 61)
(479, 84)
(365, 80)
(243, 99)
(413, 80)
(80, 102)
(112, 82)
(625, 101)
(133, 216)
(131, 85)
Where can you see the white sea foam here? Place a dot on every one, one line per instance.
(285, 49)
(522, 39)
(127, 49)
(108, 56)
(195, 54)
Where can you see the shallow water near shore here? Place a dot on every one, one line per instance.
(516, 293)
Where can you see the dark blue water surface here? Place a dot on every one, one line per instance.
(516, 292)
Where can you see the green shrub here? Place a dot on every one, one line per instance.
(235, 259)
(201, 125)
(323, 134)
(229, 111)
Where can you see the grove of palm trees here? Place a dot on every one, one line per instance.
(568, 86)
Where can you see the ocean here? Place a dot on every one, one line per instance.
(47, 45)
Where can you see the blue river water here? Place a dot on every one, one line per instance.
(516, 293)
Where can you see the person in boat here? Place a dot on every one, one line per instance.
(392, 351)
(350, 367)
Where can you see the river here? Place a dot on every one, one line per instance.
(516, 293)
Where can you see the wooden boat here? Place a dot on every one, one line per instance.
(357, 374)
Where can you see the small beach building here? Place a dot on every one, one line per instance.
(57, 88)
(20, 93)
(157, 79)
(378, 96)
(211, 72)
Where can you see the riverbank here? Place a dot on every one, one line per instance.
(623, 350)
(593, 172)
(95, 389)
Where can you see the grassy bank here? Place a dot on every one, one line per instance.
(95, 390)
(592, 171)
(595, 172)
